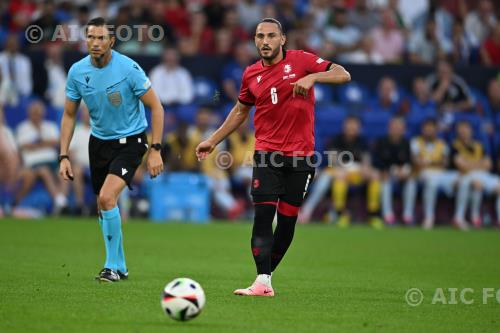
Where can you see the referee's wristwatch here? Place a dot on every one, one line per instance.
(63, 157)
(156, 146)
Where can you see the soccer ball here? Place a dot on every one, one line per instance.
(183, 299)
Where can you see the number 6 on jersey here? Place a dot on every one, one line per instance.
(274, 95)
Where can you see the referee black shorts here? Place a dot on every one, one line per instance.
(276, 176)
(120, 157)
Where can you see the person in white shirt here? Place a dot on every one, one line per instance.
(16, 67)
(9, 159)
(78, 151)
(56, 74)
(480, 22)
(38, 140)
(172, 83)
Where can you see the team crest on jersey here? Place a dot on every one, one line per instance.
(259, 78)
(287, 68)
(115, 98)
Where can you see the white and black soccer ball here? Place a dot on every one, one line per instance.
(183, 299)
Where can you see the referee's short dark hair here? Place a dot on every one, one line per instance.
(99, 22)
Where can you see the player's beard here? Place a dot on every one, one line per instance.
(273, 55)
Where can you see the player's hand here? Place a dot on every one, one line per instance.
(155, 163)
(302, 86)
(65, 170)
(204, 149)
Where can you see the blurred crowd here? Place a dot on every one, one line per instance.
(352, 31)
(428, 116)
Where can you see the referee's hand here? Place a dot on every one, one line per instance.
(65, 170)
(155, 163)
(204, 149)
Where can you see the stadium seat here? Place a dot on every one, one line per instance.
(179, 196)
(323, 94)
(206, 90)
(353, 94)
(186, 113)
(375, 124)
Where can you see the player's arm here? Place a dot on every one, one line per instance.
(151, 100)
(236, 117)
(68, 123)
(335, 75)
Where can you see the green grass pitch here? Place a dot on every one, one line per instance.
(331, 280)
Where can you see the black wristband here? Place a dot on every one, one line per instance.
(156, 146)
(62, 157)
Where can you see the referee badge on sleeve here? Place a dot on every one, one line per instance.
(115, 98)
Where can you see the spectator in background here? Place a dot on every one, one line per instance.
(431, 156)
(440, 15)
(231, 22)
(366, 54)
(103, 8)
(142, 44)
(490, 50)
(393, 7)
(77, 27)
(449, 91)
(172, 82)
(8, 94)
(470, 158)
(427, 46)
(120, 23)
(388, 40)
(157, 18)
(47, 19)
(356, 172)
(177, 16)
(480, 22)
(78, 152)
(421, 102)
(363, 18)
(493, 106)
(16, 68)
(38, 140)
(56, 75)
(223, 43)
(319, 10)
(461, 45)
(233, 72)
(251, 11)
(345, 36)
(393, 160)
(9, 162)
(388, 96)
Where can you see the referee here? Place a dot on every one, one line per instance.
(115, 90)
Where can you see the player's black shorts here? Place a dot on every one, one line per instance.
(283, 177)
(120, 157)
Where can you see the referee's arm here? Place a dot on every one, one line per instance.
(68, 123)
(151, 100)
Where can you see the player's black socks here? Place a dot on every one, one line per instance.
(262, 235)
(283, 235)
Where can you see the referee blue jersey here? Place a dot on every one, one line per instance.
(111, 94)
